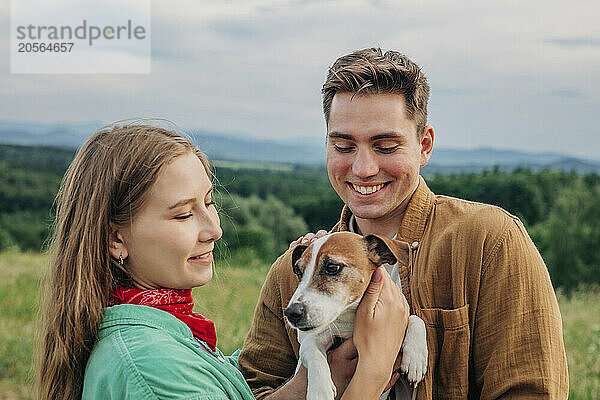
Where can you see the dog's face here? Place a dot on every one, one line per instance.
(333, 272)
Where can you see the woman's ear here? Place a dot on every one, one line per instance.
(116, 244)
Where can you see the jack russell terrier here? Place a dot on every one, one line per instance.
(334, 271)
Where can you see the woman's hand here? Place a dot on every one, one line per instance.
(379, 328)
(309, 237)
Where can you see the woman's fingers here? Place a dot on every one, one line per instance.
(371, 296)
(379, 327)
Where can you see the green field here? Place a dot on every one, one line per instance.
(229, 300)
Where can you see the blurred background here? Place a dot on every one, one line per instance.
(514, 103)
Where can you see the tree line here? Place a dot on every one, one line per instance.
(262, 209)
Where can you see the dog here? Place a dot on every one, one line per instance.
(334, 271)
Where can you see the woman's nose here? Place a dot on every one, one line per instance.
(210, 229)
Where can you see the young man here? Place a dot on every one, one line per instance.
(493, 325)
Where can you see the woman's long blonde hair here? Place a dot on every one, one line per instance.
(106, 184)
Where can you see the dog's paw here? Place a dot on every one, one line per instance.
(414, 350)
(324, 389)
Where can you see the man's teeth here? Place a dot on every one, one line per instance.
(367, 189)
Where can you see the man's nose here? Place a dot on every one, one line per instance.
(365, 164)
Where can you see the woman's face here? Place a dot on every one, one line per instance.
(170, 241)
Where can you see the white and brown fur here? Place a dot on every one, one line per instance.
(334, 271)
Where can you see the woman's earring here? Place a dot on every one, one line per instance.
(121, 260)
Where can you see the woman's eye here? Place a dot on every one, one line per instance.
(182, 217)
(210, 203)
(332, 269)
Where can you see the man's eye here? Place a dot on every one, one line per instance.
(182, 217)
(332, 269)
(386, 150)
(210, 203)
(343, 149)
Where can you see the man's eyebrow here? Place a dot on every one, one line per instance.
(339, 135)
(188, 201)
(389, 135)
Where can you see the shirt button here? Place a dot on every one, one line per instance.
(414, 244)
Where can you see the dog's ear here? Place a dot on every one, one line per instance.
(386, 251)
(297, 253)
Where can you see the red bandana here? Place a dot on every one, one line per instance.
(177, 302)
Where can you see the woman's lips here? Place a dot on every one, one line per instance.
(204, 258)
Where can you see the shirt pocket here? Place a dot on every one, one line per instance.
(448, 341)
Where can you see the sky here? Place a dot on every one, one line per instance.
(521, 75)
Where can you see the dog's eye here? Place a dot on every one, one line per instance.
(332, 269)
(297, 271)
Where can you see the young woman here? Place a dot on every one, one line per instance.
(134, 233)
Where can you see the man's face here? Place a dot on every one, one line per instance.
(374, 154)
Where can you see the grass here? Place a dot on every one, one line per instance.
(581, 331)
(264, 166)
(18, 313)
(229, 300)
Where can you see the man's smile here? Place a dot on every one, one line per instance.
(364, 189)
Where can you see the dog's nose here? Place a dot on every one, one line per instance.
(294, 312)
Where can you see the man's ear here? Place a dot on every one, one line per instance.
(298, 250)
(116, 243)
(386, 251)
(426, 144)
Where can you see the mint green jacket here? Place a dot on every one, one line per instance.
(146, 353)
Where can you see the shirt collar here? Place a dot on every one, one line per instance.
(414, 220)
(133, 314)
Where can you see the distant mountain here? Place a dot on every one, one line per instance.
(243, 149)
(58, 135)
(238, 148)
(218, 147)
(457, 161)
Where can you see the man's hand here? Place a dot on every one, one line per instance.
(309, 237)
(342, 363)
(396, 374)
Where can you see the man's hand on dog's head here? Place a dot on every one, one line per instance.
(309, 237)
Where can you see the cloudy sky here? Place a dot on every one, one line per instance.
(506, 74)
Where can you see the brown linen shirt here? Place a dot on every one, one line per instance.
(494, 329)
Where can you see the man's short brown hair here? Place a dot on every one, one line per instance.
(370, 71)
